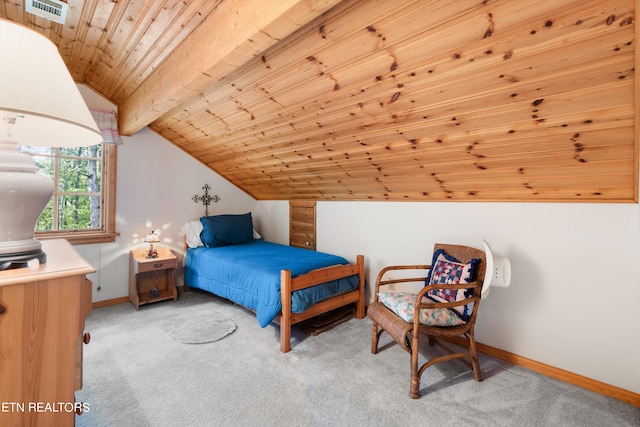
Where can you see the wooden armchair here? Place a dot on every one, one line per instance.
(456, 283)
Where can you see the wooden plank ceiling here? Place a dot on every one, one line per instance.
(425, 100)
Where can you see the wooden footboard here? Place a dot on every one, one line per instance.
(315, 277)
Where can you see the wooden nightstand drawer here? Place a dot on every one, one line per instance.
(153, 265)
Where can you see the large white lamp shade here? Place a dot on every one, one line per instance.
(498, 271)
(40, 105)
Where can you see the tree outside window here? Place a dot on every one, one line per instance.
(82, 208)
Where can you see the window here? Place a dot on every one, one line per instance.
(82, 208)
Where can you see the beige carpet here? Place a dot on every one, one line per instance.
(136, 375)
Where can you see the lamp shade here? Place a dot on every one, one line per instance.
(498, 271)
(37, 89)
(152, 238)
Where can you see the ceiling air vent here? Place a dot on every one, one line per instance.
(53, 10)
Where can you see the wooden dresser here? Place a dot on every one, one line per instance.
(42, 313)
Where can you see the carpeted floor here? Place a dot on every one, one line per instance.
(136, 374)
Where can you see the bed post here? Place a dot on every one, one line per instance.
(285, 317)
(360, 309)
(185, 287)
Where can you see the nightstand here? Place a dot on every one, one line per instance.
(151, 279)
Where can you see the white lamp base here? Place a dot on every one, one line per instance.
(24, 195)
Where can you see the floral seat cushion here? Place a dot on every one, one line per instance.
(403, 303)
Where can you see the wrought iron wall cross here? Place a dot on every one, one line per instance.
(206, 199)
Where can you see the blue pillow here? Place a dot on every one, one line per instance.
(224, 230)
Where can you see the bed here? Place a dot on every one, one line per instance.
(280, 284)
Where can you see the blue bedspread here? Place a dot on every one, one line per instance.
(249, 274)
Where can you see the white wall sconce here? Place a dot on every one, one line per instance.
(498, 272)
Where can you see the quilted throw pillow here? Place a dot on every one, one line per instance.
(403, 303)
(446, 269)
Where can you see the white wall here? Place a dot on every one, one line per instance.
(575, 287)
(155, 184)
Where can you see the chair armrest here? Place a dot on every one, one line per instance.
(477, 286)
(381, 281)
(475, 299)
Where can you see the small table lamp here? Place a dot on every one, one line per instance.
(40, 105)
(151, 239)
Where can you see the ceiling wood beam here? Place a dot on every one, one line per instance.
(231, 35)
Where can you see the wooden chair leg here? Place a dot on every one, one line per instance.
(414, 389)
(374, 338)
(475, 365)
(432, 340)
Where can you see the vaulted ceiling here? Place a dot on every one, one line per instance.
(422, 100)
